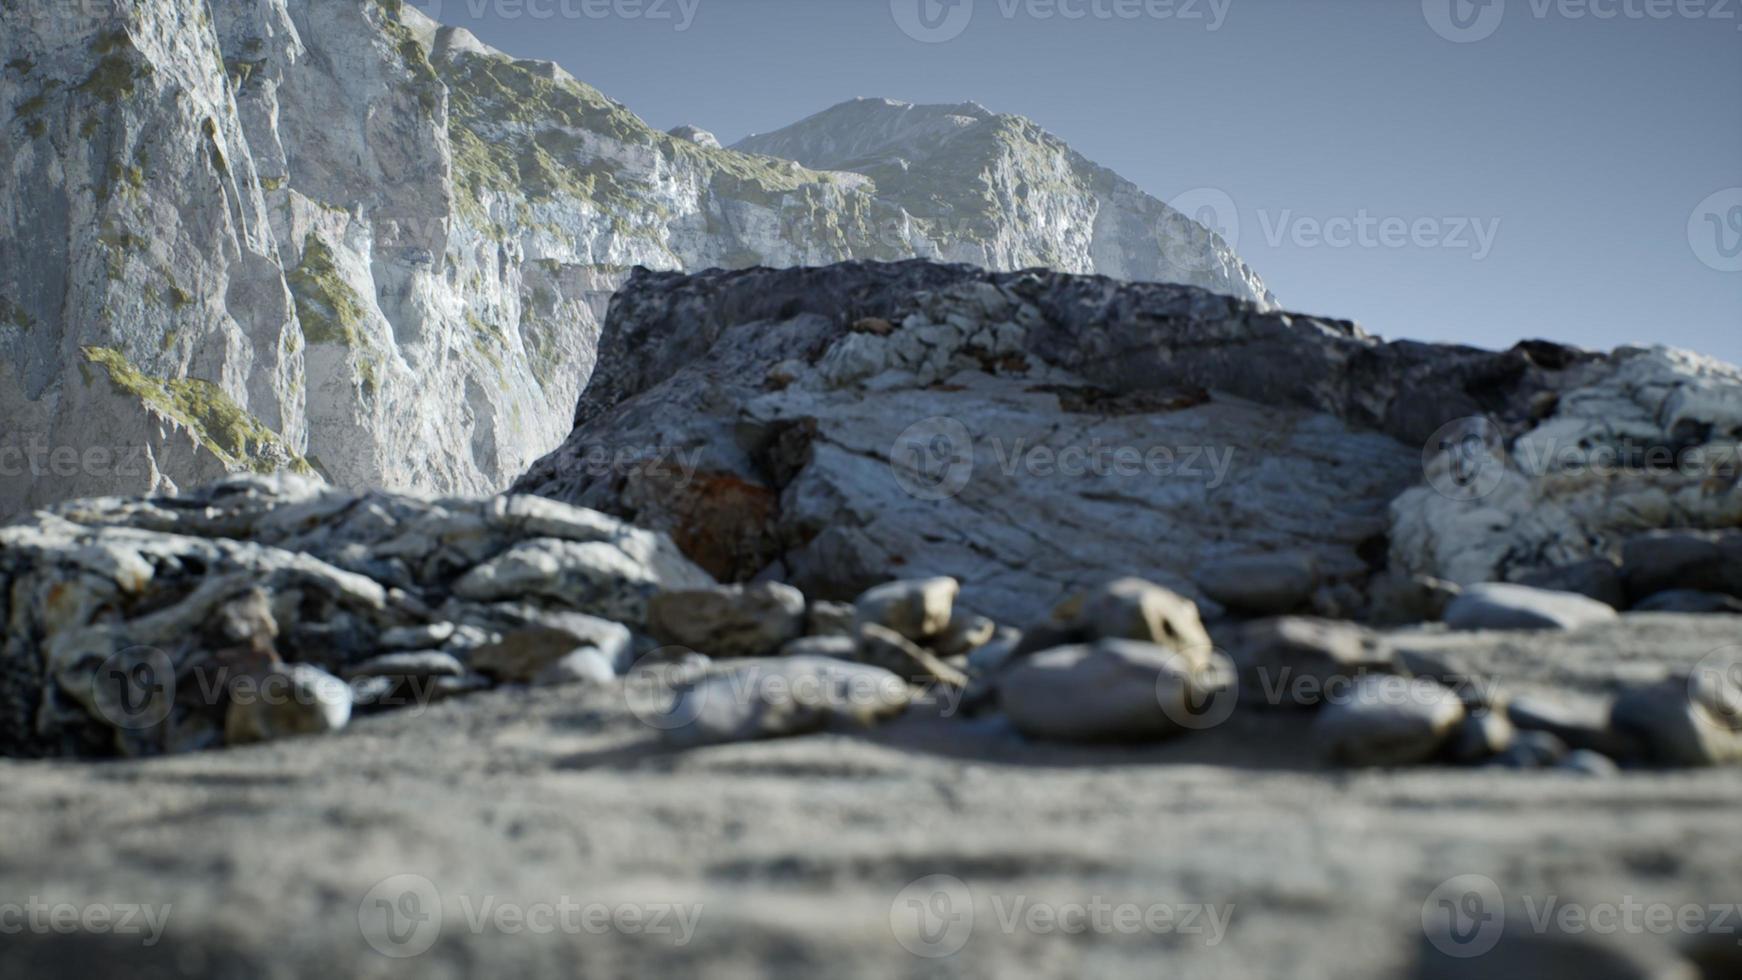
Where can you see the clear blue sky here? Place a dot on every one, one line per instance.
(1583, 146)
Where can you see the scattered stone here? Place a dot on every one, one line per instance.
(1132, 609)
(1499, 606)
(1260, 585)
(1579, 728)
(1685, 720)
(584, 666)
(729, 620)
(1597, 578)
(596, 577)
(522, 655)
(1389, 721)
(966, 633)
(888, 649)
(837, 647)
(918, 609)
(1483, 735)
(1295, 662)
(824, 618)
(1114, 690)
(996, 652)
(1404, 600)
(1694, 561)
(756, 699)
(1588, 763)
(426, 637)
(299, 699)
(1690, 602)
(1533, 750)
(416, 664)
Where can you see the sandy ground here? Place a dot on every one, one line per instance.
(1227, 853)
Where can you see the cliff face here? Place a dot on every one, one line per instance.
(338, 238)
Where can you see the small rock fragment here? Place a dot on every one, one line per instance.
(756, 699)
(729, 620)
(966, 633)
(1114, 690)
(523, 654)
(1483, 735)
(1132, 609)
(1260, 585)
(824, 618)
(918, 609)
(1389, 721)
(893, 652)
(297, 699)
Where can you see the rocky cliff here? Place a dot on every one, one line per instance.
(338, 238)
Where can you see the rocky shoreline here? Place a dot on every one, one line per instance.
(747, 555)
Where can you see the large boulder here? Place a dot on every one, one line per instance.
(1029, 434)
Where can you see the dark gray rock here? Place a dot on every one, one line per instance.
(1533, 750)
(1483, 735)
(1686, 601)
(1580, 727)
(1694, 561)
(1686, 720)
(1498, 606)
(1259, 585)
(1598, 578)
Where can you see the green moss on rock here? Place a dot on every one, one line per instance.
(225, 429)
(330, 310)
